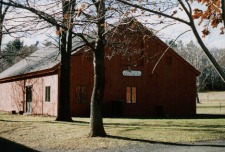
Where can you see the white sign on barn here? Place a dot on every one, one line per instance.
(131, 73)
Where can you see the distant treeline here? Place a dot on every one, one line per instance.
(13, 52)
(209, 78)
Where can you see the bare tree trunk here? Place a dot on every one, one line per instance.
(65, 48)
(96, 122)
(64, 83)
(223, 12)
(64, 76)
(1, 25)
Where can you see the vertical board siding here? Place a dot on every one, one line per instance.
(169, 90)
(81, 74)
(50, 108)
(13, 95)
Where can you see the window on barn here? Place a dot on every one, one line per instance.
(131, 94)
(81, 94)
(47, 93)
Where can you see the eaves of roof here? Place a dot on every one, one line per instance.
(51, 71)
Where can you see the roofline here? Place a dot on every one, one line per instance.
(46, 72)
(55, 69)
(192, 68)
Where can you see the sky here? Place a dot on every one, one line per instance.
(213, 40)
(172, 32)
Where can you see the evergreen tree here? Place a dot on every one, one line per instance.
(14, 46)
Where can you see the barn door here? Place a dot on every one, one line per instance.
(28, 99)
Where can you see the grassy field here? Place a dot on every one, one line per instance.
(43, 133)
(212, 96)
(211, 103)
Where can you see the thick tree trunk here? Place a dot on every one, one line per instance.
(223, 12)
(96, 123)
(64, 83)
(1, 24)
(64, 75)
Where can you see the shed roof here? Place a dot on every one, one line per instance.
(41, 59)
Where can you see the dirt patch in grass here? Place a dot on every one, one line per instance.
(43, 133)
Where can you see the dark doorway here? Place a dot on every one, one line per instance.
(117, 108)
(29, 99)
(159, 111)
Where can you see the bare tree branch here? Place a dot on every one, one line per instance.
(155, 12)
(167, 50)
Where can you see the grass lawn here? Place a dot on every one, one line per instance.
(44, 133)
(211, 103)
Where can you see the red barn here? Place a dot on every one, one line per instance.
(143, 78)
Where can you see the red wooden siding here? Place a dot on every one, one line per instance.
(168, 91)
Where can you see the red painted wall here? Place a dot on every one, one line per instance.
(170, 88)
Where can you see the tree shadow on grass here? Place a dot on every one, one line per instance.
(10, 146)
(197, 116)
(164, 143)
(71, 122)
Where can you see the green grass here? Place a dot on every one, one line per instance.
(211, 108)
(45, 133)
(211, 103)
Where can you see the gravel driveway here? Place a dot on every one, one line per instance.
(210, 146)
